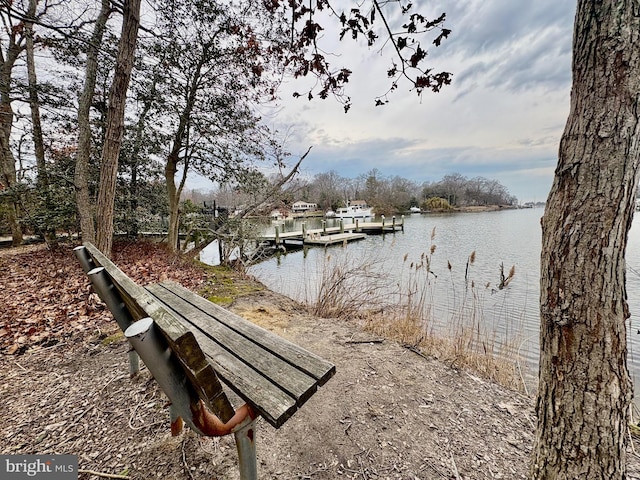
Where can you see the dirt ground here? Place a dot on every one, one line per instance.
(388, 413)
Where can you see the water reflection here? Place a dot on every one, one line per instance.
(509, 238)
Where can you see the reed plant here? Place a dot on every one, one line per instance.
(351, 287)
(403, 308)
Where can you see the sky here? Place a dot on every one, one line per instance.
(501, 118)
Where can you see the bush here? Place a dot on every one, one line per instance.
(436, 203)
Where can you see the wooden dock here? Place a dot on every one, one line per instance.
(333, 239)
(345, 232)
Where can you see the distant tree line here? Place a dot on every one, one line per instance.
(396, 194)
(388, 195)
(459, 190)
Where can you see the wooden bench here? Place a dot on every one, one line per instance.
(189, 344)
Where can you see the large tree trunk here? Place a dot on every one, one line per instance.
(8, 180)
(81, 180)
(115, 125)
(174, 202)
(34, 101)
(584, 390)
(173, 195)
(42, 180)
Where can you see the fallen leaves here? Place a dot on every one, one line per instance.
(46, 297)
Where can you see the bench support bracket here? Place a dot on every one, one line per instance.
(108, 293)
(245, 434)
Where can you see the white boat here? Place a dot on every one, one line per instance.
(330, 214)
(355, 211)
(415, 210)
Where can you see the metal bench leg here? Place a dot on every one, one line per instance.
(246, 445)
(83, 256)
(104, 288)
(107, 292)
(134, 362)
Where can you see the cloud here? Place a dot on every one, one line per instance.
(516, 45)
(482, 26)
(502, 117)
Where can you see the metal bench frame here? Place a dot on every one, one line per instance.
(189, 344)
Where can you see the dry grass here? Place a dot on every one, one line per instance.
(456, 350)
(402, 309)
(350, 287)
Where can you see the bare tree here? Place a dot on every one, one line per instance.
(85, 209)
(13, 44)
(34, 101)
(115, 125)
(585, 390)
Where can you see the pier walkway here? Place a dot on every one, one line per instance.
(345, 232)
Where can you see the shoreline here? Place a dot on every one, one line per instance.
(388, 412)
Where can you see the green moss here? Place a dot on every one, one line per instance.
(222, 301)
(224, 285)
(116, 337)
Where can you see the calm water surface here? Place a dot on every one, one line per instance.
(510, 238)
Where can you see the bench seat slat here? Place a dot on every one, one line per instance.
(303, 359)
(282, 374)
(141, 304)
(273, 403)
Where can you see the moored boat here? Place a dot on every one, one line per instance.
(355, 209)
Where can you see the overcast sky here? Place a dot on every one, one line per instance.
(501, 118)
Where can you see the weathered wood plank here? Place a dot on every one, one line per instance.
(141, 304)
(282, 374)
(334, 239)
(274, 403)
(293, 354)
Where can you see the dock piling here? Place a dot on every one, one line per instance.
(309, 236)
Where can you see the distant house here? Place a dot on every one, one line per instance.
(299, 207)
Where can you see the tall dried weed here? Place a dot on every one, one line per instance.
(404, 308)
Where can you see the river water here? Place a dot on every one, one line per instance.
(509, 316)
